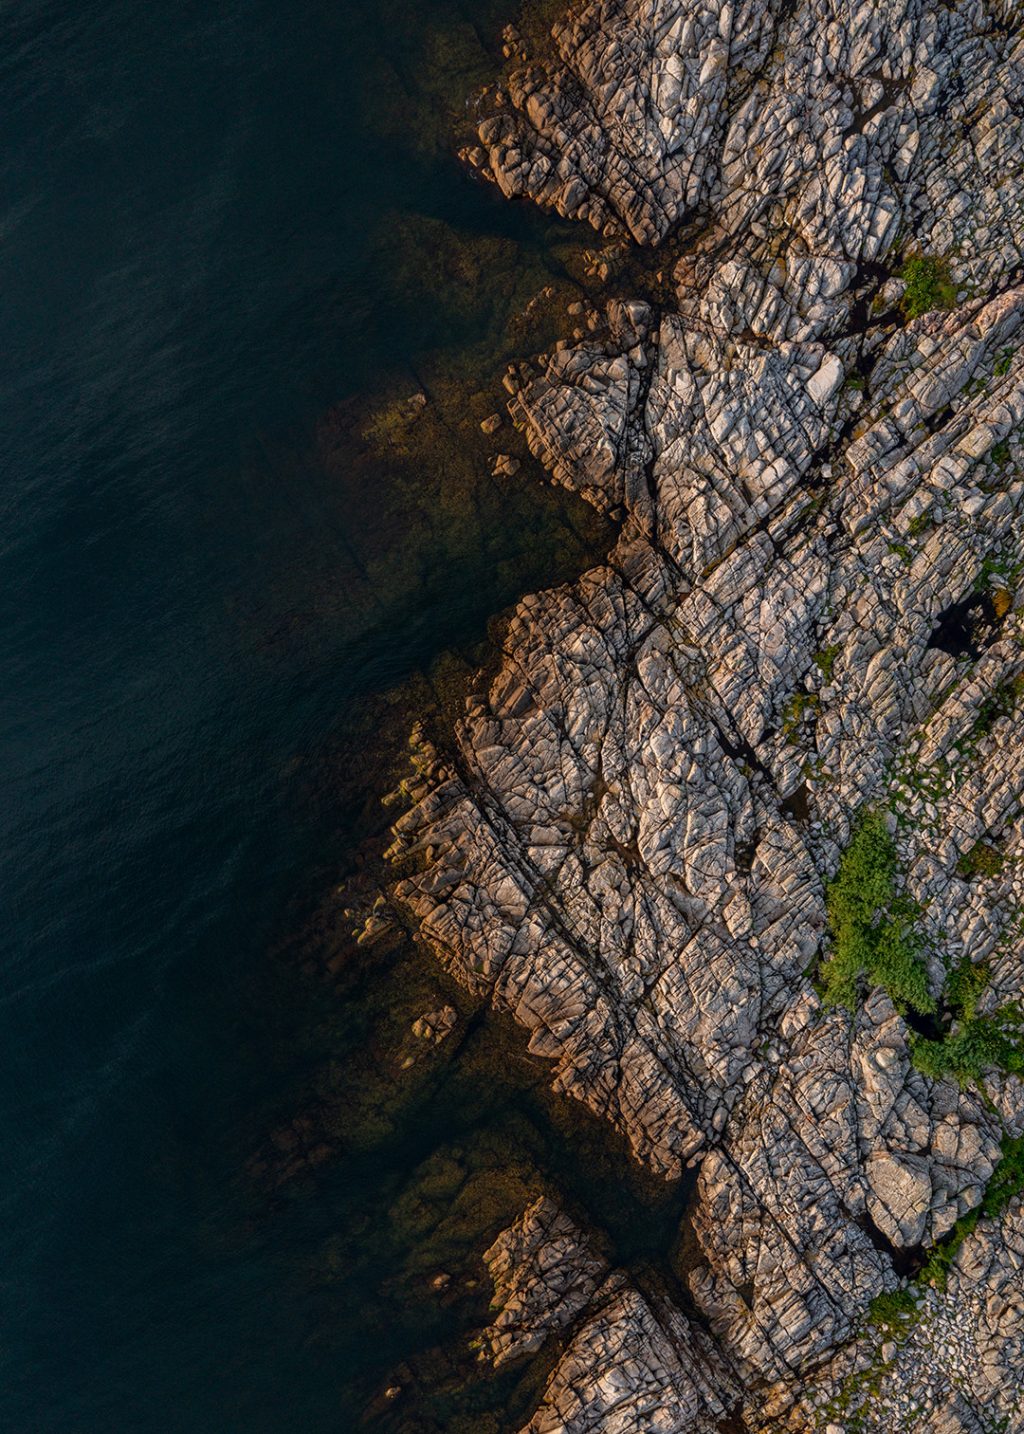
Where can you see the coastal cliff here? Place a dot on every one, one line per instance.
(735, 830)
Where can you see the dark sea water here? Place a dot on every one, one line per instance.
(219, 220)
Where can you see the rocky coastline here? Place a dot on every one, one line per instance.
(734, 830)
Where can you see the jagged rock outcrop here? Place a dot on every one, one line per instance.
(838, 1154)
(628, 1360)
(957, 1366)
(812, 606)
(544, 1274)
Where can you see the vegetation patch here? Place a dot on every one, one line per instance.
(964, 987)
(825, 659)
(902, 551)
(873, 926)
(1000, 703)
(976, 1043)
(935, 1270)
(996, 566)
(797, 707)
(980, 1043)
(889, 1312)
(983, 859)
(929, 285)
(1008, 1179)
(1002, 601)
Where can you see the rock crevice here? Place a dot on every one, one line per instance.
(811, 609)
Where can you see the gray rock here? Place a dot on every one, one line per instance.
(631, 1361)
(629, 848)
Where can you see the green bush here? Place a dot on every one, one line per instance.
(889, 1311)
(964, 986)
(996, 565)
(1000, 703)
(1008, 1179)
(825, 659)
(929, 285)
(979, 1044)
(935, 1270)
(872, 928)
(796, 707)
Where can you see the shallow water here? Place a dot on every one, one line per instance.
(221, 221)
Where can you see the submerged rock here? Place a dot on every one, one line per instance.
(810, 608)
(434, 1026)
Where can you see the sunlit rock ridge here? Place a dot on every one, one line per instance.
(781, 727)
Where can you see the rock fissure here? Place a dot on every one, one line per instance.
(812, 436)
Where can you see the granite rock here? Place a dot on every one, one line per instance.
(811, 607)
(627, 1361)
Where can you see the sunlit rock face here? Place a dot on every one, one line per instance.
(630, 1361)
(811, 609)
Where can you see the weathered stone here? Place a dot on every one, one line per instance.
(810, 608)
(631, 1362)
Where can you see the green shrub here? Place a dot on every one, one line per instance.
(889, 1311)
(1002, 363)
(935, 1270)
(795, 708)
(999, 703)
(964, 986)
(929, 285)
(980, 1043)
(1008, 1179)
(872, 928)
(996, 565)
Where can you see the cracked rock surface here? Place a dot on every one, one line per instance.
(811, 608)
(627, 1360)
(960, 1367)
